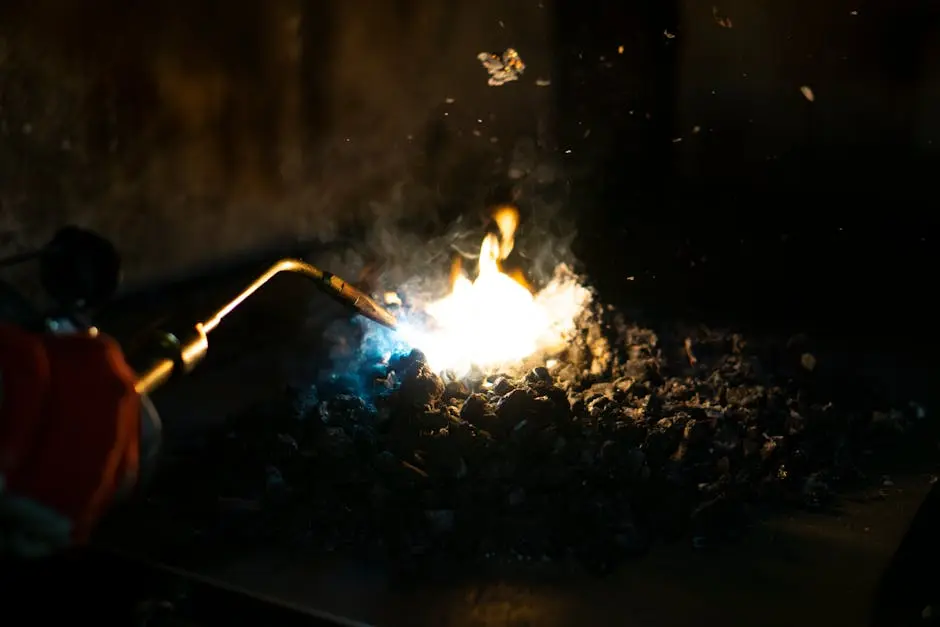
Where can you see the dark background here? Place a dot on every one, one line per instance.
(196, 132)
(778, 209)
(700, 178)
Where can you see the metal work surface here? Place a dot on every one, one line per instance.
(805, 569)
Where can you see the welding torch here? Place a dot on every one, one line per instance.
(182, 356)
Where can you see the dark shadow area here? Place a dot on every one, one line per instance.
(908, 589)
(739, 199)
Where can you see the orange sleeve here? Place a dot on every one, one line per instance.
(88, 445)
(24, 388)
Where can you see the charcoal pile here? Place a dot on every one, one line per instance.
(628, 437)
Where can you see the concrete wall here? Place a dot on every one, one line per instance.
(194, 131)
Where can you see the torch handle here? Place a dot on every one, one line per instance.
(180, 357)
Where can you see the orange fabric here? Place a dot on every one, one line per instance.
(70, 422)
(24, 387)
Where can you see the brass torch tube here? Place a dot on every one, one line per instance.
(192, 352)
(155, 376)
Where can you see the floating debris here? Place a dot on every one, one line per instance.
(722, 20)
(502, 69)
(808, 361)
(808, 93)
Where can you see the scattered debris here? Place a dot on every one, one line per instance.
(688, 351)
(627, 436)
(502, 69)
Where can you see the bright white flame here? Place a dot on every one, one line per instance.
(495, 321)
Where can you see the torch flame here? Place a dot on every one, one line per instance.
(507, 220)
(494, 320)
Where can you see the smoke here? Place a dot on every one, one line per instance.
(416, 264)
(198, 133)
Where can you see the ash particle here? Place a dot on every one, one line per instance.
(502, 69)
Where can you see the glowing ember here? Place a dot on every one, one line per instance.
(495, 321)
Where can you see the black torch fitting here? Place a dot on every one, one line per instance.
(173, 357)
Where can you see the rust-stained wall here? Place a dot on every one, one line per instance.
(193, 131)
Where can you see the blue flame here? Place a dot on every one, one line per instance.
(364, 371)
(385, 344)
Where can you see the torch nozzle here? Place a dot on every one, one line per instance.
(186, 355)
(358, 300)
(333, 285)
